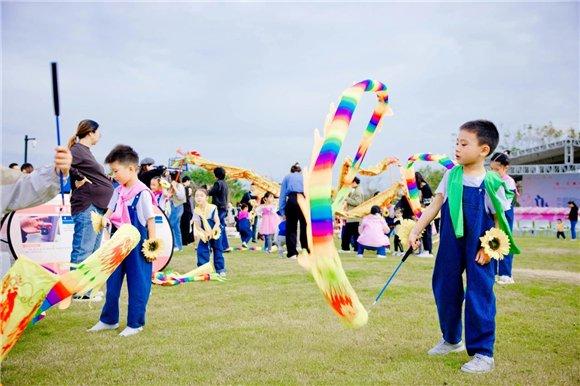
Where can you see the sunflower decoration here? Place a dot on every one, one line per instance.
(404, 231)
(152, 249)
(495, 243)
(216, 233)
(97, 220)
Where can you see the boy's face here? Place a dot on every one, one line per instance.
(123, 173)
(468, 150)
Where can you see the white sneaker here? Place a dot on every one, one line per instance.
(100, 326)
(504, 279)
(222, 274)
(128, 331)
(359, 256)
(382, 256)
(479, 364)
(444, 348)
(88, 298)
(424, 254)
(293, 257)
(343, 251)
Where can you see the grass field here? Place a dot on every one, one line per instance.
(269, 324)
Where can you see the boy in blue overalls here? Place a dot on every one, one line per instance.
(132, 203)
(470, 199)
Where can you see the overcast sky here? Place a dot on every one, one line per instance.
(246, 84)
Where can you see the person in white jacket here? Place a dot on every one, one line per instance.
(20, 190)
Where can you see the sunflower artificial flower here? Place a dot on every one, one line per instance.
(152, 249)
(495, 243)
(97, 220)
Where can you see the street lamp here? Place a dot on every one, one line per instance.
(26, 139)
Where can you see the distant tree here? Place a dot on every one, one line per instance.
(530, 136)
(201, 178)
(236, 190)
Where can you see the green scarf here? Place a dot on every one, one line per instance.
(492, 183)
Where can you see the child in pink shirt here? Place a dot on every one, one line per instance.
(373, 233)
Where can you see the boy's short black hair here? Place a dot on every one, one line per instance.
(123, 154)
(26, 165)
(375, 209)
(243, 206)
(185, 179)
(485, 131)
(219, 173)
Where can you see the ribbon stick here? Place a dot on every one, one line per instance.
(382, 291)
(324, 262)
(57, 117)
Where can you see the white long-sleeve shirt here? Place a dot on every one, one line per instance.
(20, 190)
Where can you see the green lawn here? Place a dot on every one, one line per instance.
(269, 324)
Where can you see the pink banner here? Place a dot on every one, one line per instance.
(538, 213)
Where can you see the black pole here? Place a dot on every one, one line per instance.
(57, 119)
(25, 148)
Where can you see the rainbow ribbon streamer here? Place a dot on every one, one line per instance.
(323, 260)
(92, 273)
(204, 272)
(409, 174)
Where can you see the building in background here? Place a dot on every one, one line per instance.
(547, 175)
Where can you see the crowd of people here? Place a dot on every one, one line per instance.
(468, 201)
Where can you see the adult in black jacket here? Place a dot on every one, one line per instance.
(185, 224)
(219, 194)
(573, 217)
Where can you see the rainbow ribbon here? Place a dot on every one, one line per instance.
(92, 273)
(204, 272)
(324, 262)
(409, 173)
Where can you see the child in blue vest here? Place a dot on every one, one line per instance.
(207, 228)
(470, 200)
(132, 203)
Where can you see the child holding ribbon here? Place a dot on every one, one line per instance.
(469, 199)
(207, 229)
(132, 203)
